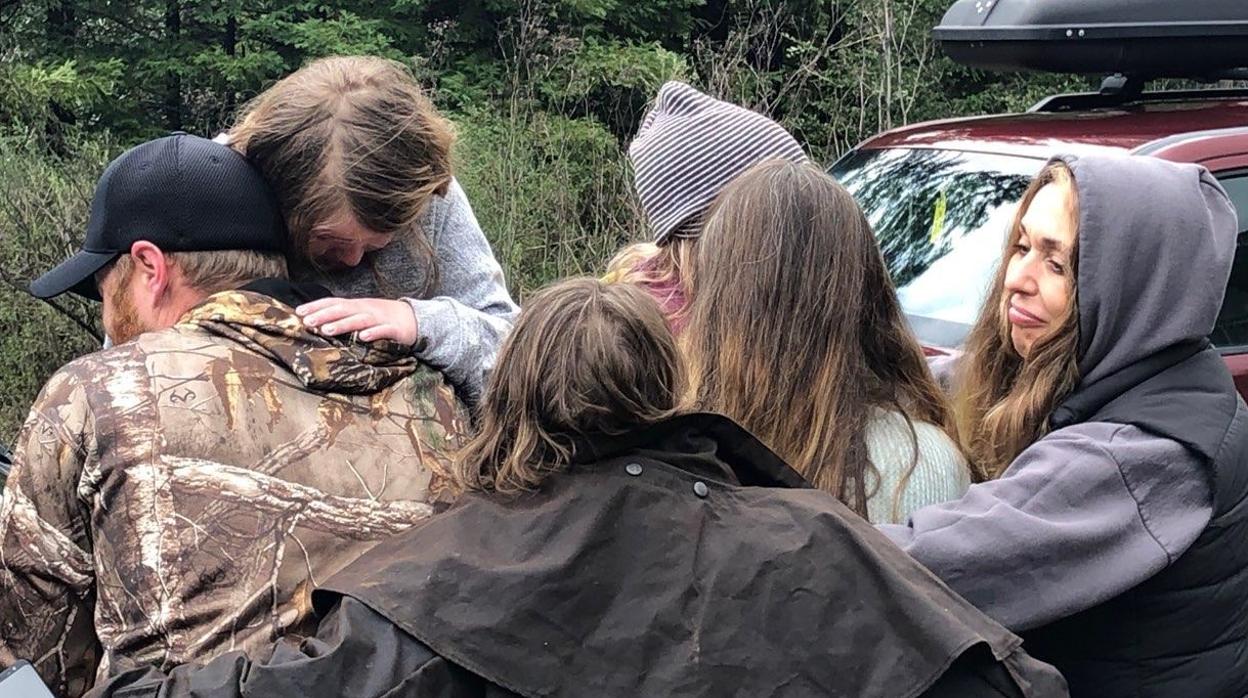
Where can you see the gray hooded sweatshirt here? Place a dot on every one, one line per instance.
(1092, 510)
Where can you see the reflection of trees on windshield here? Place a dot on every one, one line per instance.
(902, 191)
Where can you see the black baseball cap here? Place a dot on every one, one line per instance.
(181, 193)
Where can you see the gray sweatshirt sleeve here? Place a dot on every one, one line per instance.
(1081, 516)
(468, 315)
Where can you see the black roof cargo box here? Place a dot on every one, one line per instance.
(1145, 38)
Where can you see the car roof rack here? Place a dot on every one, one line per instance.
(1118, 90)
(1151, 38)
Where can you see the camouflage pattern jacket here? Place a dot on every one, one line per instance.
(180, 495)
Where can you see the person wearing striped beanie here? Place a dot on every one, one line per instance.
(689, 147)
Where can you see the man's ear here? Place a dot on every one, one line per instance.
(151, 267)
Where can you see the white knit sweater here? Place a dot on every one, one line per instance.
(940, 475)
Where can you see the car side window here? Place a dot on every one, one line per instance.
(1231, 329)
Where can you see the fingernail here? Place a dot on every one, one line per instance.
(328, 329)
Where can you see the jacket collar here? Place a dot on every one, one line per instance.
(715, 446)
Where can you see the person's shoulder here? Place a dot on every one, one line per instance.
(91, 369)
(67, 384)
(451, 219)
(937, 472)
(889, 427)
(939, 452)
(70, 389)
(141, 355)
(443, 206)
(454, 196)
(1120, 454)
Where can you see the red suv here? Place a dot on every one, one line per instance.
(941, 195)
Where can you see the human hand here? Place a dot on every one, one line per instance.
(372, 318)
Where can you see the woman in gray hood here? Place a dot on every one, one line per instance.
(1113, 533)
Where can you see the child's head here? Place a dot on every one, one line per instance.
(689, 147)
(584, 358)
(354, 151)
(665, 272)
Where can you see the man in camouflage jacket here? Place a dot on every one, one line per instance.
(180, 495)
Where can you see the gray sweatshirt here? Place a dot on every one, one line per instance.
(1094, 509)
(464, 316)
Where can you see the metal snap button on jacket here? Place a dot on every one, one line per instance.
(700, 489)
(633, 469)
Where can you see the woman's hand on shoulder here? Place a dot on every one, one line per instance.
(372, 318)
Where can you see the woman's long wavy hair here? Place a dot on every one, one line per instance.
(355, 134)
(584, 358)
(795, 330)
(1002, 402)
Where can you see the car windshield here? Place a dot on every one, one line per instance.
(940, 217)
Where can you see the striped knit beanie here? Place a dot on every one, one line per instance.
(689, 147)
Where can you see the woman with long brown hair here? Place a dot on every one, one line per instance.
(1112, 531)
(1020, 357)
(607, 544)
(795, 332)
(360, 161)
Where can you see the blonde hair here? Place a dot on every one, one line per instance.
(584, 358)
(216, 270)
(795, 330)
(1002, 402)
(656, 268)
(353, 134)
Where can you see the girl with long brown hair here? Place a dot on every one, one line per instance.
(360, 161)
(1111, 529)
(588, 360)
(688, 148)
(795, 332)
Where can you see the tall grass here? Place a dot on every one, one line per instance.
(552, 193)
(42, 217)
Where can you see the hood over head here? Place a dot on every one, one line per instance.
(1156, 242)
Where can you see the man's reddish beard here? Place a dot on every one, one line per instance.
(124, 323)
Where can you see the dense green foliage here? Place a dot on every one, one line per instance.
(545, 93)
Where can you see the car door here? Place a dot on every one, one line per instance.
(1225, 153)
(1230, 334)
